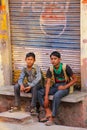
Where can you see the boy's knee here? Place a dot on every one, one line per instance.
(40, 92)
(57, 96)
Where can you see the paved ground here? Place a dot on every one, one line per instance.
(35, 126)
(22, 121)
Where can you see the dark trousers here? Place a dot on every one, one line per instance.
(33, 91)
(57, 95)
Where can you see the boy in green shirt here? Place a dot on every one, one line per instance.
(59, 89)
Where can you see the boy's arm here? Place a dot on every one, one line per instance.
(72, 82)
(21, 79)
(47, 88)
(37, 79)
(73, 78)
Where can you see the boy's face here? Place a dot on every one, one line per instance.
(55, 60)
(30, 61)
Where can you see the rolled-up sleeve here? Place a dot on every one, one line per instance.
(21, 78)
(38, 77)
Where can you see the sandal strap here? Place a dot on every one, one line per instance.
(44, 119)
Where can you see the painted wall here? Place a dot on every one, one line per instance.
(5, 59)
(84, 43)
(2, 36)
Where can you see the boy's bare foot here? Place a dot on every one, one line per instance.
(50, 122)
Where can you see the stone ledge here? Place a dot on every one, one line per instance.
(17, 117)
(75, 97)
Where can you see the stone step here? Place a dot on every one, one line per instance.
(15, 117)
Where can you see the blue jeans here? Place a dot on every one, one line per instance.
(57, 95)
(33, 91)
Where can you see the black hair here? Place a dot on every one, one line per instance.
(55, 53)
(30, 54)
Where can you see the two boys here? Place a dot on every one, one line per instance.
(59, 88)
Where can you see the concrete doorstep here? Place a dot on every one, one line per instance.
(15, 117)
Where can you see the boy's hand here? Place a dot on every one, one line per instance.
(46, 102)
(27, 89)
(22, 88)
(61, 87)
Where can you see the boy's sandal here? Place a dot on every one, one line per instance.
(42, 115)
(49, 123)
(44, 119)
(33, 112)
(14, 109)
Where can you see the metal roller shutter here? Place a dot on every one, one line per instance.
(43, 26)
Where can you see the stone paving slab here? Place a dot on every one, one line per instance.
(42, 126)
(16, 117)
(35, 126)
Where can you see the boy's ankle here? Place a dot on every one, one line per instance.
(41, 108)
(33, 111)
